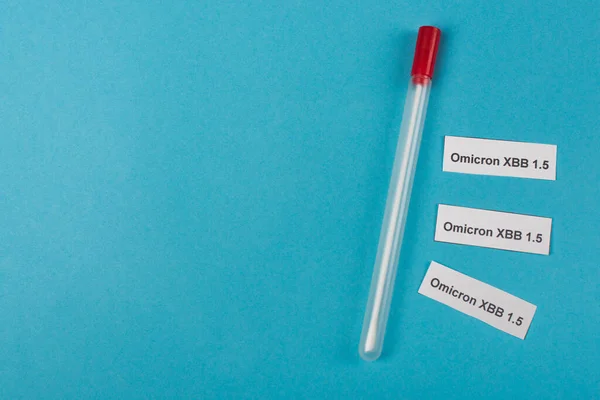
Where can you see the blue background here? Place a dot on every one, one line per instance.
(191, 196)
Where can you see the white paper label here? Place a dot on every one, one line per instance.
(493, 229)
(499, 158)
(477, 299)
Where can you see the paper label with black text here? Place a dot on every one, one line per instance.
(493, 229)
(493, 306)
(499, 157)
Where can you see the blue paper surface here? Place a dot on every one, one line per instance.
(191, 195)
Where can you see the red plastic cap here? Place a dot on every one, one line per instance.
(426, 51)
